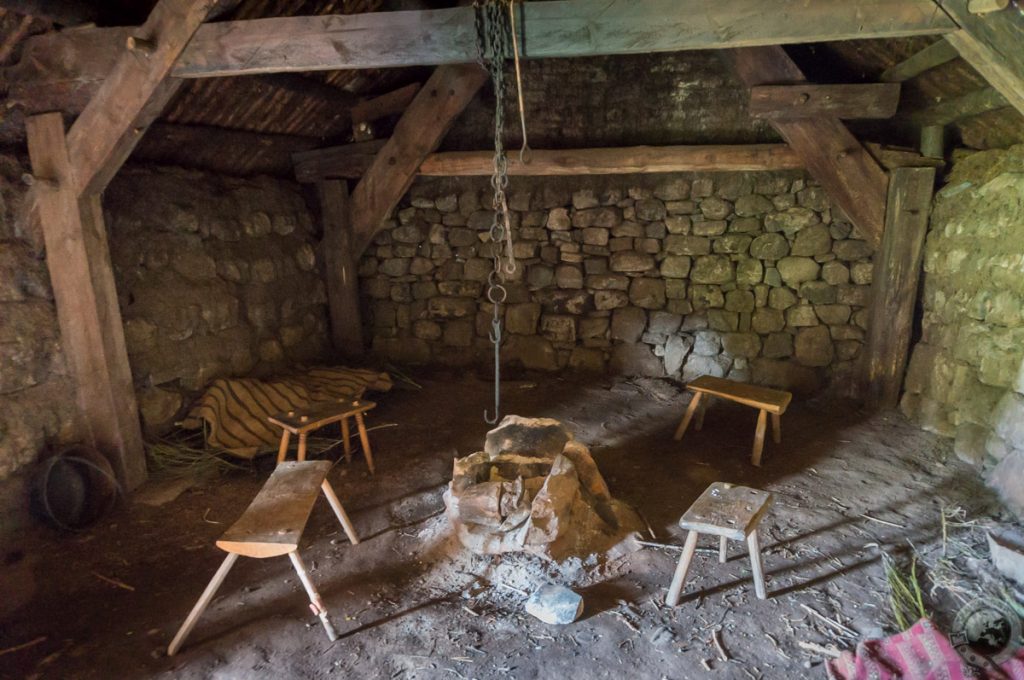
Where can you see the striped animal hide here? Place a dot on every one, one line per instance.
(236, 410)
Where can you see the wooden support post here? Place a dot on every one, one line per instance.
(340, 268)
(83, 286)
(894, 284)
(830, 152)
(421, 128)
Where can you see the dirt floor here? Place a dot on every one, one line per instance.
(409, 603)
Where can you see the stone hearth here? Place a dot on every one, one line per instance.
(534, 489)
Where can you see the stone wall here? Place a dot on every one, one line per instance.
(36, 396)
(750, 275)
(216, 277)
(965, 378)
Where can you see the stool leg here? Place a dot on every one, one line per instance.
(282, 450)
(339, 512)
(345, 434)
(302, 447)
(700, 413)
(364, 438)
(688, 416)
(723, 549)
(754, 546)
(315, 603)
(762, 422)
(202, 604)
(690, 547)
(776, 428)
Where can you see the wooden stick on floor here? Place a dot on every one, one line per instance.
(762, 423)
(316, 604)
(754, 546)
(688, 416)
(339, 512)
(723, 549)
(202, 604)
(689, 548)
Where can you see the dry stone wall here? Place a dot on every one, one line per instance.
(36, 396)
(748, 275)
(966, 375)
(216, 276)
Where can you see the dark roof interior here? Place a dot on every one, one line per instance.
(313, 109)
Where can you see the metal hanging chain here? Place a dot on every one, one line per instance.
(494, 33)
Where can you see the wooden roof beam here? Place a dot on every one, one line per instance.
(870, 100)
(958, 108)
(352, 160)
(560, 28)
(933, 56)
(992, 44)
(829, 151)
(418, 133)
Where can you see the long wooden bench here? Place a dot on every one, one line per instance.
(272, 525)
(765, 399)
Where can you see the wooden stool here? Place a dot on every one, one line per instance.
(766, 399)
(726, 511)
(272, 525)
(315, 416)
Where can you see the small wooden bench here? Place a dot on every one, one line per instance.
(303, 421)
(272, 525)
(766, 399)
(729, 512)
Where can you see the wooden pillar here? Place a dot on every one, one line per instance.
(894, 284)
(92, 334)
(340, 268)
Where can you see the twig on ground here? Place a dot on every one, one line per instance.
(716, 636)
(512, 588)
(882, 521)
(835, 624)
(113, 581)
(24, 645)
(818, 649)
(209, 521)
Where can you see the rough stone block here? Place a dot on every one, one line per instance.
(648, 293)
(814, 346)
(712, 269)
(678, 244)
(628, 324)
(796, 270)
(769, 247)
(709, 227)
(812, 241)
(631, 261)
(636, 359)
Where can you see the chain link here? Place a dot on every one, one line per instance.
(494, 46)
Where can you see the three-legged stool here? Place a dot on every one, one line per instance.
(303, 421)
(272, 525)
(730, 512)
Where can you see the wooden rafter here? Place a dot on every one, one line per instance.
(351, 161)
(968, 105)
(561, 28)
(417, 134)
(829, 151)
(848, 102)
(933, 56)
(992, 44)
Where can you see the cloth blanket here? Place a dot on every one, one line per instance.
(236, 410)
(922, 652)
